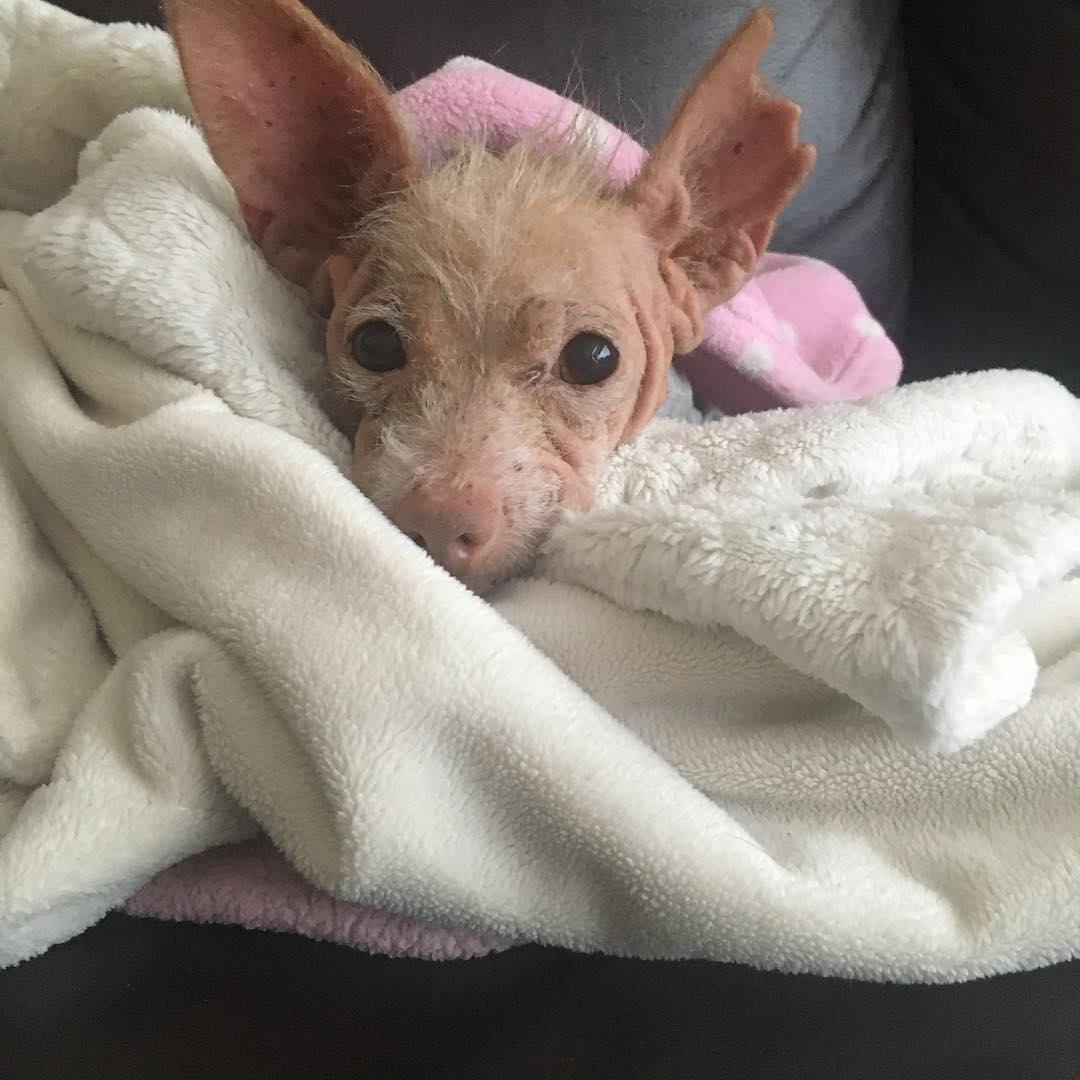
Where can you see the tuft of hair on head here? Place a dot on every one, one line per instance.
(475, 209)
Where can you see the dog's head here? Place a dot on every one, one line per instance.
(498, 326)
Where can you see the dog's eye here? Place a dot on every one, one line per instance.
(588, 359)
(377, 347)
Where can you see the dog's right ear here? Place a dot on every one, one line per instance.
(299, 122)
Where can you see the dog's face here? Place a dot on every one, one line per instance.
(496, 341)
(498, 326)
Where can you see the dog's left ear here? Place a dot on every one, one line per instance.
(299, 122)
(710, 192)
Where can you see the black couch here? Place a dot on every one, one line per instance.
(994, 96)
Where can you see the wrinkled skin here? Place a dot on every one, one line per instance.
(481, 416)
(486, 268)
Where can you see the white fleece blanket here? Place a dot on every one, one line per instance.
(667, 743)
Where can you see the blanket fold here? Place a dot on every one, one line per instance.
(677, 738)
(889, 550)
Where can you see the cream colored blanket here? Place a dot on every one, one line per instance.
(707, 727)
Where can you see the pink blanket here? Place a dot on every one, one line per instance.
(252, 885)
(797, 334)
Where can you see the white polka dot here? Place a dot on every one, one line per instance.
(867, 325)
(788, 332)
(755, 359)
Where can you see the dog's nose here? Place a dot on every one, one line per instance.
(460, 530)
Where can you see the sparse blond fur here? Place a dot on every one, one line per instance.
(498, 325)
(479, 213)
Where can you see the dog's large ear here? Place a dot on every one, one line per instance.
(300, 124)
(710, 192)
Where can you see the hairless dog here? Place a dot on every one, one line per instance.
(497, 325)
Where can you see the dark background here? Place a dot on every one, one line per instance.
(156, 1001)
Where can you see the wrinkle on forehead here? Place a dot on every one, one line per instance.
(485, 229)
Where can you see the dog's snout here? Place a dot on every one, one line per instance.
(460, 530)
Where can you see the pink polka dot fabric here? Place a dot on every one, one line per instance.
(797, 334)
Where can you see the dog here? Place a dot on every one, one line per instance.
(498, 325)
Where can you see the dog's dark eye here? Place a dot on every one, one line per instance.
(588, 359)
(377, 347)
